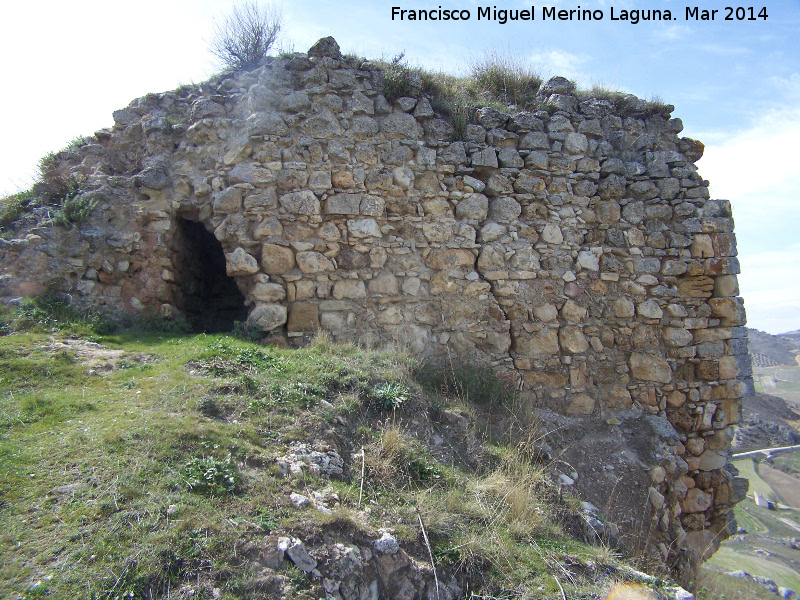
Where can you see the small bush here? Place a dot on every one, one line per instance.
(74, 209)
(210, 475)
(472, 383)
(14, 206)
(400, 80)
(246, 331)
(244, 37)
(266, 520)
(56, 182)
(390, 395)
(51, 312)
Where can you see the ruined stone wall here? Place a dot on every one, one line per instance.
(572, 246)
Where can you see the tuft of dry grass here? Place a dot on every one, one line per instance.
(505, 77)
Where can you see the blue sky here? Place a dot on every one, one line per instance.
(735, 84)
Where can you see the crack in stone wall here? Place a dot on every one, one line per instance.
(573, 247)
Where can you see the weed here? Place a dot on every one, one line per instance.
(396, 460)
(37, 590)
(399, 79)
(298, 578)
(14, 206)
(505, 78)
(208, 407)
(54, 312)
(469, 382)
(247, 331)
(128, 585)
(266, 520)
(90, 473)
(211, 475)
(391, 395)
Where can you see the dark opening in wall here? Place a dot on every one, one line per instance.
(211, 300)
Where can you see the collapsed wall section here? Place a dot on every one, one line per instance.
(573, 246)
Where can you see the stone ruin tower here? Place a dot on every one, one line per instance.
(572, 247)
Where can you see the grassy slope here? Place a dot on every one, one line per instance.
(96, 465)
(763, 551)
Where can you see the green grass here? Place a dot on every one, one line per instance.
(14, 206)
(747, 470)
(729, 559)
(125, 482)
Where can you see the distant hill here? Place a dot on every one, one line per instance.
(767, 421)
(769, 350)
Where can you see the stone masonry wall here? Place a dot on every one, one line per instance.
(573, 247)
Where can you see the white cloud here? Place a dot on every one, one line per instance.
(723, 49)
(758, 171)
(672, 33)
(560, 62)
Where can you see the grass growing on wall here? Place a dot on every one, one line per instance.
(500, 80)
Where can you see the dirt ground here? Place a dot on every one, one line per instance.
(786, 486)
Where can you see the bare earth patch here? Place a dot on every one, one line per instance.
(96, 357)
(786, 486)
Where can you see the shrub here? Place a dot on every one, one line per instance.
(74, 209)
(245, 36)
(472, 383)
(14, 206)
(247, 331)
(400, 80)
(211, 475)
(391, 395)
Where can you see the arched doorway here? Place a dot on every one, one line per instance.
(210, 299)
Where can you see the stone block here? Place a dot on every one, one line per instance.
(240, 263)
(546, 312)
(695, 287)
(268, 292)
(576, 143)
(300, 203)
(730, 311)
(726, 286)
(552, 234)
(618, 397)
(581, 405)
(485, 159)
(401, 125)
(572, 340)
(623, 308)
(676, 337)
(504, 210)
(473, 207)
(364, 228)
(647, 367)
(539, 344)
(649, 309)
(276, 260)
(707, 370)
(228, 201)
(385, 284)
(267, 317)
(440, 259)
(313, 262)
(349, 289)
(303, 317)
